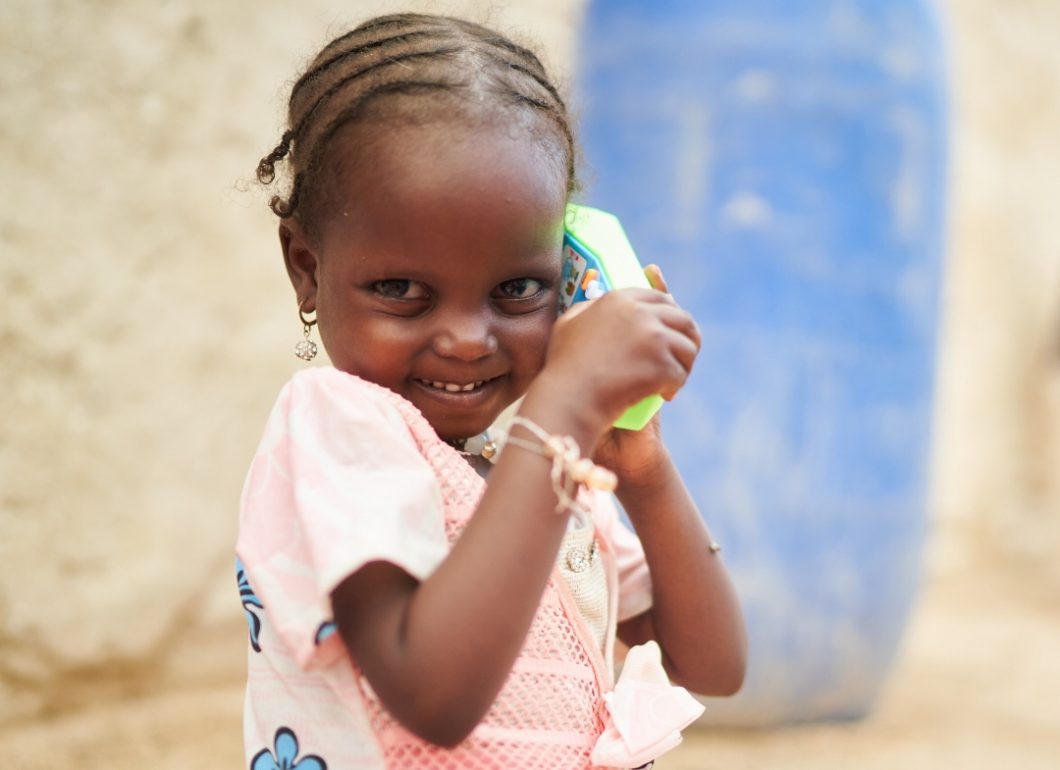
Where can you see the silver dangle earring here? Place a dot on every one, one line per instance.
(306, 349)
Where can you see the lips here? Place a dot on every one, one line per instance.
(459, 408)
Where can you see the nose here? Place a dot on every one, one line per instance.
(465, 336)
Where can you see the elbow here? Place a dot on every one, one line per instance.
(731, 666)
(730, 681)
(442, 723)
(446, 728)
(729, 677)
(443, 736)
(716, 683)
(721, 676)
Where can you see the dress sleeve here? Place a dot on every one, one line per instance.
(634, 578)
(337, 482)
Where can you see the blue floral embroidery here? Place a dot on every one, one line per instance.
(327, 628)
(250, 602)
(284, 759)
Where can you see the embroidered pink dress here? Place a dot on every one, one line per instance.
(348, 473)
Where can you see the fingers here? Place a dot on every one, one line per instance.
(641, 337)
(663, 307)
(681, 356)
(646, 307)
(684, 339)
(680, 320)
(669, 337)
(685, 351)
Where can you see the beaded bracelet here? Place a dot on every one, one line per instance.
(569, 468)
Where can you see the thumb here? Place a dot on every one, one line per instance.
(655, 278)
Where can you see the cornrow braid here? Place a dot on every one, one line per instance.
(404, 55)
(344, 81)
(327, 64)
(285, 209)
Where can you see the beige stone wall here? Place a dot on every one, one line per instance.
(148, 323)
(997, 478)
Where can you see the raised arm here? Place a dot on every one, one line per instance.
(695, 615)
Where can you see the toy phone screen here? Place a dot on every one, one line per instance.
(583, 275)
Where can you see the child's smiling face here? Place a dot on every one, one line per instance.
(436, 271)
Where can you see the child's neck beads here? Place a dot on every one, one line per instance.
(569, 468)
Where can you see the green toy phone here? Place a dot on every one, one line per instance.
(598, 257)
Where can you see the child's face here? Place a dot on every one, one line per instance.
(437, 274)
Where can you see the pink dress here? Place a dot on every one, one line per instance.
(348, 473)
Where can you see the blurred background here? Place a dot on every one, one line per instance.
(149, 326)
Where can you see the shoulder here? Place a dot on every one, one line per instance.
(328, 383)
(325, 393)
(326, 413)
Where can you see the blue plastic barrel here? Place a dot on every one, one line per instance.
(785, 164)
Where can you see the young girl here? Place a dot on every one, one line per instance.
(404, 613)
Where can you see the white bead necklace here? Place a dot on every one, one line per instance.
(476, 446)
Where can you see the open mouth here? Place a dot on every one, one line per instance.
(453, 387)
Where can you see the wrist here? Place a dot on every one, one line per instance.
(558, 408)
(645, 479)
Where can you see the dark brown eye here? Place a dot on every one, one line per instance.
(400, 288)
(520, 288)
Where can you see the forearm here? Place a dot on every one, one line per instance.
(695, 614)
(467, 623)
(439, 651)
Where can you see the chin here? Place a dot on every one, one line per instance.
(459, 416)
(451, 430)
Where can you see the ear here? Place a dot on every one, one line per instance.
(302, 263)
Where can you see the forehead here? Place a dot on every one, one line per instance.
(398, 186)
(450, 142)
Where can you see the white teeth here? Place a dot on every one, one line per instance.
(452, 387)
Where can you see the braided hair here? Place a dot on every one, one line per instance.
(379, 65)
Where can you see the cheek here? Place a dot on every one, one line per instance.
(371, 348)
(530, 340)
